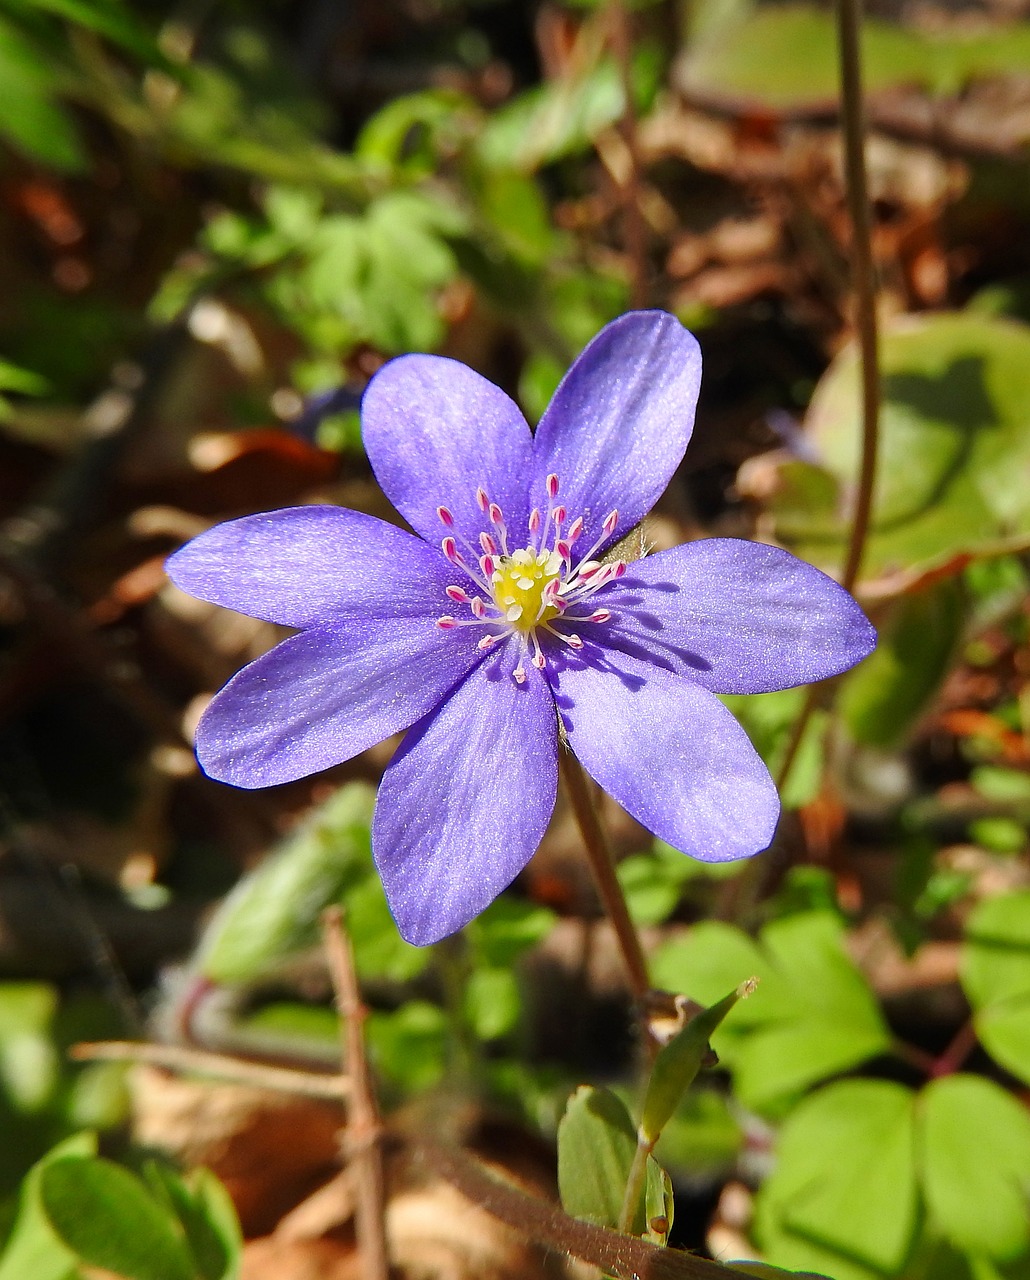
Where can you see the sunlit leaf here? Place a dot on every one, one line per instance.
(842, 1198)
(954, 447)
(975, 1143)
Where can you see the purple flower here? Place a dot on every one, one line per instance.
(503, 620)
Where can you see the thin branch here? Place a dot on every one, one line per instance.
(849, 23)
(602, 864)
(619, 1255)
(218, 1066)
(364, 1127)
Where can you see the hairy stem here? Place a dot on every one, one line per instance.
(863, 274)
(849, 22)
(602, 865)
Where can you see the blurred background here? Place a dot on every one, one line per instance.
(217, 220)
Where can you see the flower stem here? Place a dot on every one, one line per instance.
(849, 22)
(634, 1185)
(602, 865)
(863, 273)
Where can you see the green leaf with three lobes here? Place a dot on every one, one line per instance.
(843, 1196)
(975, 1149)
(32, 1247)
(812, 1016)
(954, 448)
(597, 1140)
(995, 972)
(108, 1219)
(679, 1061)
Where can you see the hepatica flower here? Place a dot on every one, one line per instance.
(505, 623)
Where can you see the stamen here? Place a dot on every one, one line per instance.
(445, 517)
(497, 520)
(482, 499)
(534, 521)
(488, 566)
(610, 521)
(575, 529)
(519, 673)
(450, 550)
(559, 515)
(601, 615)
(552, 485)
(457, 595)
(447, 623)
(478, 607)
(488, 642)
(488, 544)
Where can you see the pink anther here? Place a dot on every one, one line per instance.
(446, 623)
(534, 520)
(482, 499)
(457, 595)
(495, 514)
(610, 521)
(488, 544)
(552, 486)
(575, 529)
(445, 517)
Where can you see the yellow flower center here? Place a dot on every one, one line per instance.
(519, 584)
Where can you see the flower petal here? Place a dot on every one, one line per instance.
(736, 616)
(325, 695)
(303, 566)
(670, 753)
(435, 431)
(466, 801)
(620, 420)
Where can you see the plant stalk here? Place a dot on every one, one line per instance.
(849, 24)
(602, 864)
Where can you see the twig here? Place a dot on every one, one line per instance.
(364, 1128)
(849, 22)
(218, 1066)
(616, 1254)
(602, 865)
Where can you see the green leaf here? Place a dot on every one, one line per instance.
(883, 698)
(273, 913)
(995, 972)
(30, 116)
(108, 1219)
(562, 117)
(507, 929)
(206, 1215)
(954, 446)
(409, 1045)
(107, 18)
(975, 1146)
(703, 1138)
(842, 1197)
(769, 720)
(596, 1143)
(492, 1002)
(785, 56)
(32, 1248)
(678, 1062)
(812, 1016)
